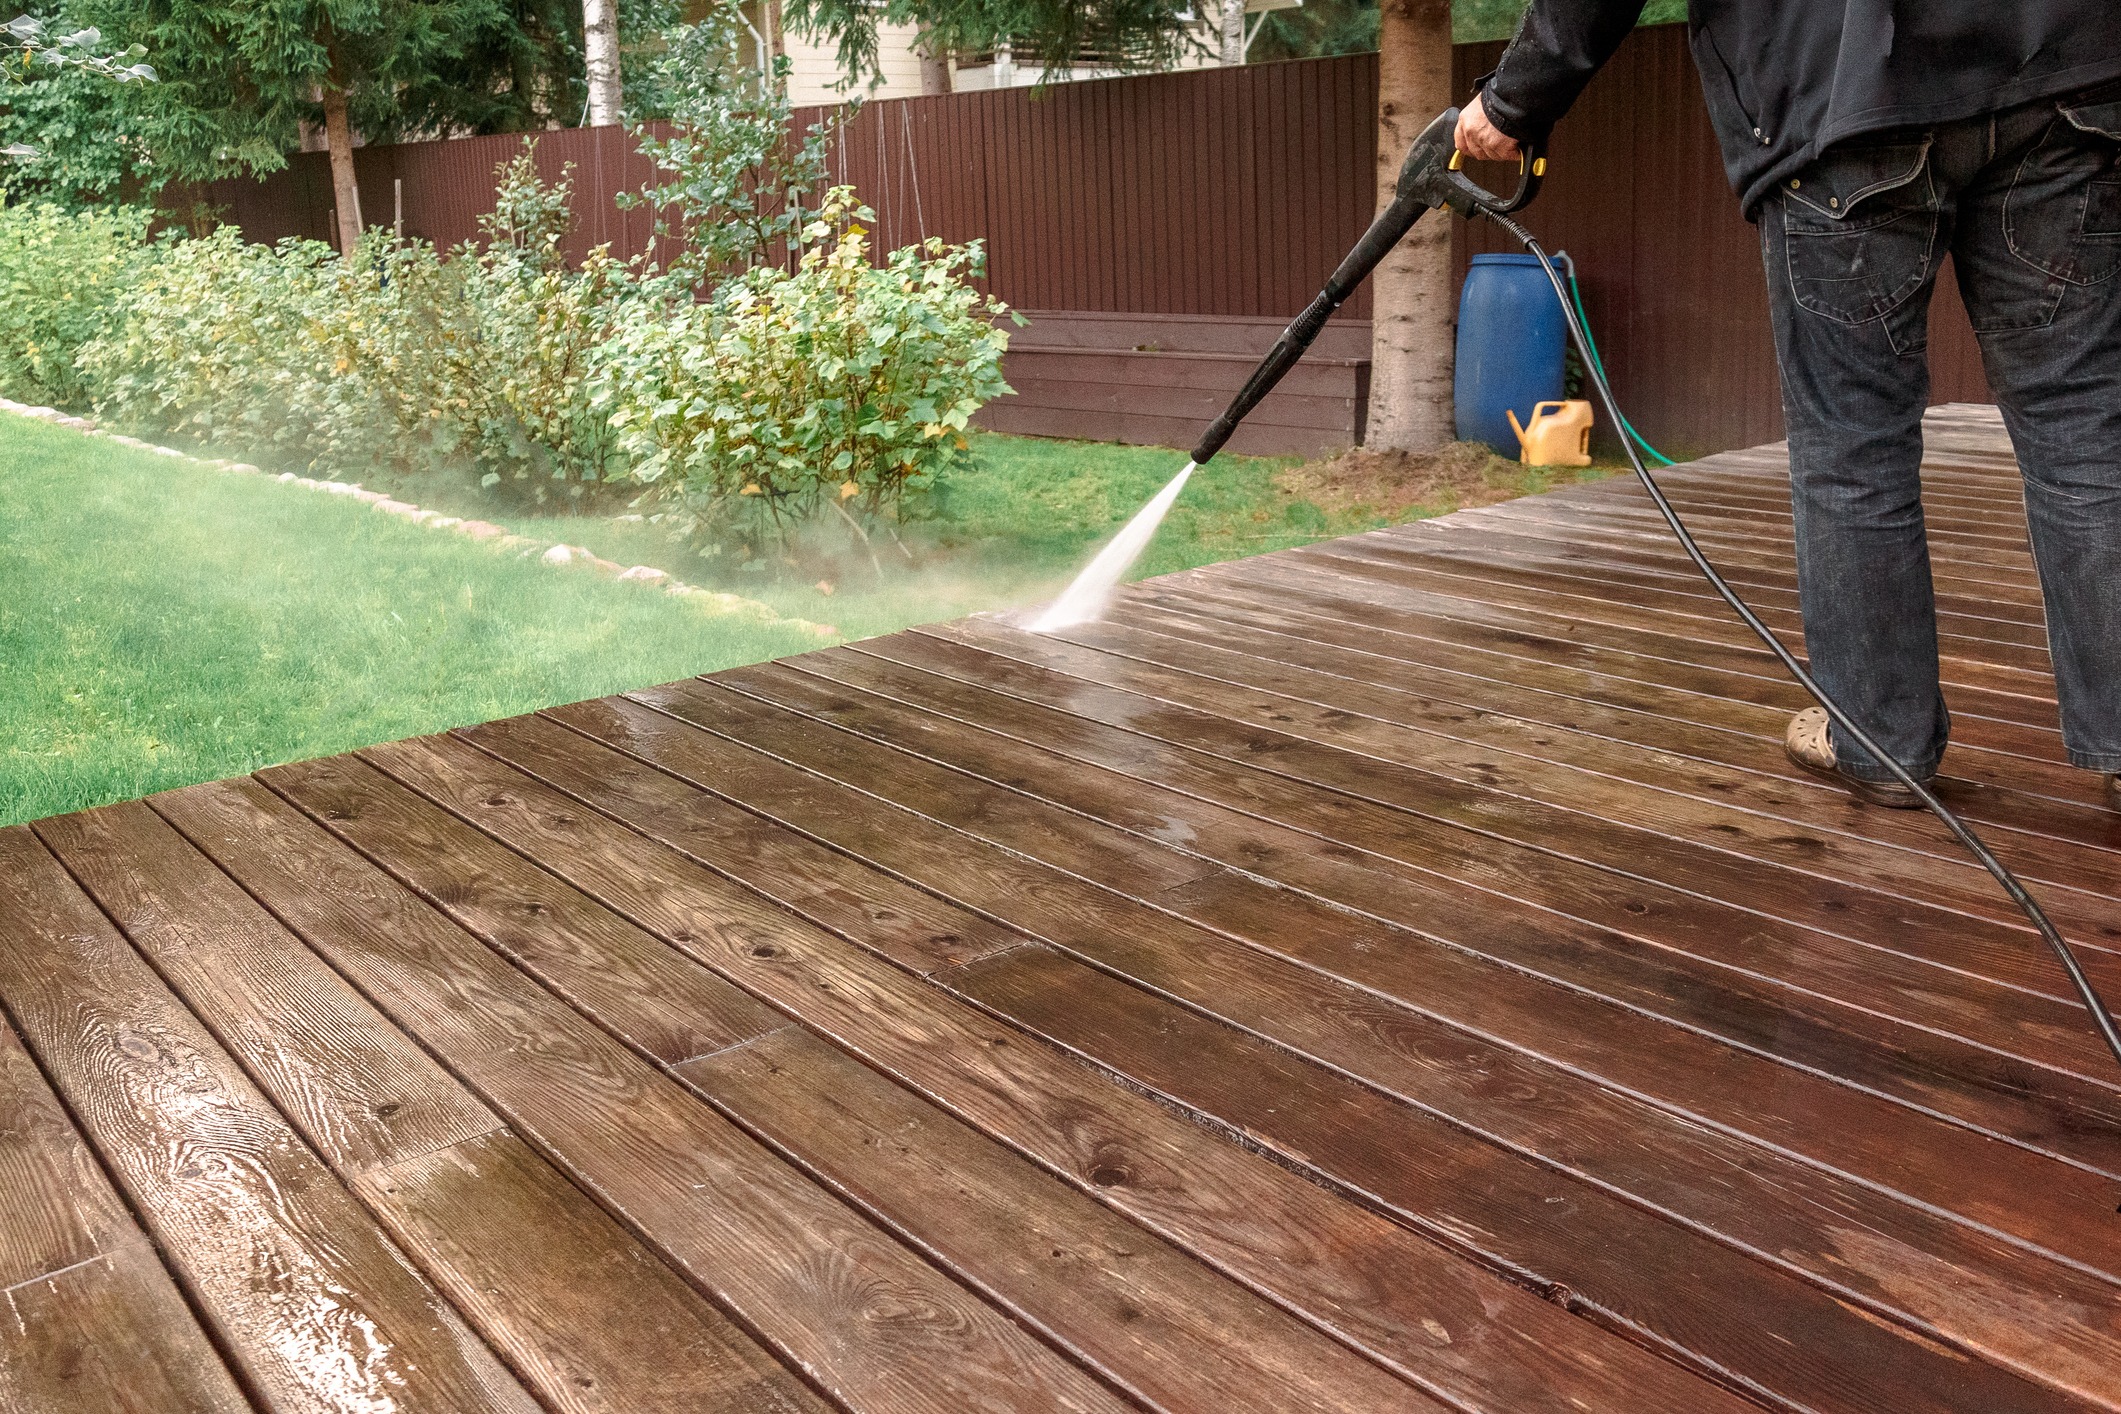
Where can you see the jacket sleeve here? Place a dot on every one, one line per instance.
(1560, 44)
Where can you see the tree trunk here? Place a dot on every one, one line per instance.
(776, 37)
(600, 60)
(1233, 33)
(1411, 354)
(935, 66)
(338, 141)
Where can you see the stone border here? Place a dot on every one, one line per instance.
(712, 601)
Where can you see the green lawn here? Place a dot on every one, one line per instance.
(163, 623)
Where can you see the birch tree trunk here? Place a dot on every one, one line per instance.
(935, 67)
(1233, 33)
(600, 60)
(338, 143)
(1411, 354)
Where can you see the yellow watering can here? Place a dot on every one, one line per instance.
(1559, 434)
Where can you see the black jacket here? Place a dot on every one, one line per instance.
(1786, 79)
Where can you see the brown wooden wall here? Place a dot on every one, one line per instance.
(1671, 271)
(1232, 192)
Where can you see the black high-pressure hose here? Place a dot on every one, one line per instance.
(1429, 180)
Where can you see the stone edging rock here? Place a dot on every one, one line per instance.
(710, 600)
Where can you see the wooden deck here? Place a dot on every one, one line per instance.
(1399, 974)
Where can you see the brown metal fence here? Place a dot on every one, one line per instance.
(1228, 192)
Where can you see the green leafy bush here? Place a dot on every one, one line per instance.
(733, 177)
(841, 385)
(61, 275)
(401, 362)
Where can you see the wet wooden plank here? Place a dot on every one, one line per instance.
(1991, 638)
(1976, 660)
(1285, 737)
(1588, 804)
(1784, 1339)
(967, 777)
(1774, 1212)
(906, 924)
(859, 1315)
(2009, 615)
(2000, 773)
(317, 1307)
(1629, 809)
(1587, 545)
(91, 1319)
(1349, 579)
(1741, 663)
(1166, 1328)
(589, 1315)
(1366, 1280)
(360, 1093)
(590, 1320)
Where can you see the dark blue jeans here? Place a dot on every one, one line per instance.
(2028, 204)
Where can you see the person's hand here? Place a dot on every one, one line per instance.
(1480, 139)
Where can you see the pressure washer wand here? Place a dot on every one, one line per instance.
(1429, 178)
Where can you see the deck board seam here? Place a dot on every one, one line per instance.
(1899, 1319)
(931, 980)
(1672, 1110)
(1403, 927)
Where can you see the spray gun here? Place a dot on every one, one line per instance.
(1431, 179)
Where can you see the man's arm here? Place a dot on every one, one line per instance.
(1558, 47)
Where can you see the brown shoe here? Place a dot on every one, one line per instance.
(1810, 746)
(2113, 791)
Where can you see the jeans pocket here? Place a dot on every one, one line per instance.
(1860, 230)
(2062, 215)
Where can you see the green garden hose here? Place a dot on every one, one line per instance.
(1591, 347)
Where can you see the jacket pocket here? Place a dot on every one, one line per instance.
(1860, 230)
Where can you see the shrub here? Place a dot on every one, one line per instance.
(734, 177)
(843, 384)
(61, 275)
(398, 362)
(540, 330)
(200, 342)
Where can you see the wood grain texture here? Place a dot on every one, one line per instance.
(914, 929)
(1787, 1211)
(2001, 1027)
(585, 1315)
(314, 1303)
(1164, 1327)
(1776, 1213)
(989, 786)
(1788, 1342)
(90, 1319)
(591, 1317)
(1366, 1280)
(360, 1092)
(860, 1316)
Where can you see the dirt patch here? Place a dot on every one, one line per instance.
(1363, 481)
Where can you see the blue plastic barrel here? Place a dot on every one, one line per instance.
(1510, 341)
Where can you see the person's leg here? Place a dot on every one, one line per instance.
(1852, 248)
(2038, 252)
